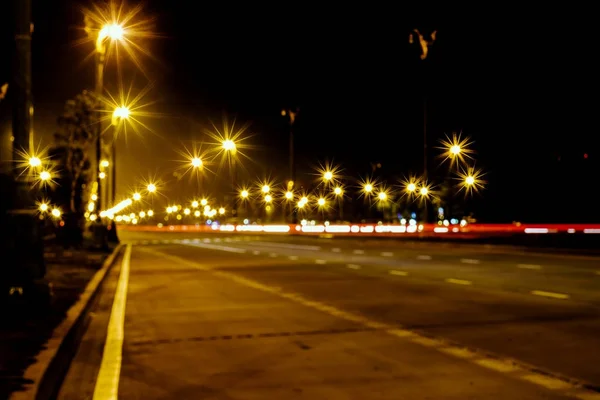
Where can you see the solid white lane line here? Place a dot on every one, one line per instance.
(358, 251)
(336, 250)
(107, 383)
(320, 262)
(459, 281)
(387, 254)
(353, 266)
(398, 273)
(552, 295)
(529, 266)
(293, 257)
(469, 261)
(423, 257)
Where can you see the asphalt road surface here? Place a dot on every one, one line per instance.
(200, 316)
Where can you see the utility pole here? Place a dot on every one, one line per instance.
(292, 174)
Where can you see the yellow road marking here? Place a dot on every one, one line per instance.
(529, 266)
(459, 281)
(107, 383)
(552, 295)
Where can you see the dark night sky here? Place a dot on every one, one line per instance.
(524, 88)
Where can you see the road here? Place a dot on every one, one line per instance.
(245, 317)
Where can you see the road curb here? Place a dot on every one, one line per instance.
(53, 361)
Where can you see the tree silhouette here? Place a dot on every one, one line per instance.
(74, 140)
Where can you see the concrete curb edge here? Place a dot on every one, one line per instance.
(53, 361)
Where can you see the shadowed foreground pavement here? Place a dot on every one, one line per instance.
(260, 318)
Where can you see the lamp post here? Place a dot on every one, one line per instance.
(107, 32)
(230, 148)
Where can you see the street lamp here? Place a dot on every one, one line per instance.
(114, 32)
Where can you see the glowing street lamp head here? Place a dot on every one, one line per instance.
(120, 113)
(424, 191)
(337, 191)
(112, 31)
(137, 196)
(56, 213)
(195, 204)
(321, 202)
(104, 163)
(244, 194)
(368, 188)
(289, 195)
(411, 187)
(151, 188)
(43, 207)
(268, 198)
(266, 188)
(45, 176)
(382, 196)
(204, 202)
(196, 162)
(328, 175)
(455, 149)
(228, 145)
(470, 180)
(34, 162)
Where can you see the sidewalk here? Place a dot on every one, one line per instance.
(23, 334)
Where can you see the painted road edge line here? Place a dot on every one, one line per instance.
(397, 272)
(552, 295)
(523, 371)
(107, 383)
(55, 357)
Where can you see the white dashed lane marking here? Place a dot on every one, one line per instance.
(387, 254)
(273, 255)
(336, 250)
(358, 251)
(398, 273)
(293, 258)
(551, 295)
(504, 366)
(459, 281)
(469, 261)
(423, 257)
(256, 252)
(320, 262)
(529, 266)
(353, 266)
